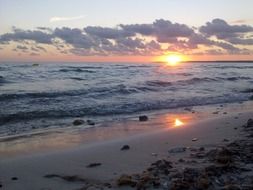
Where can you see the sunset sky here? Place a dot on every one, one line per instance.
(131, 30)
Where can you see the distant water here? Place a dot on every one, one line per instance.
(52, 95)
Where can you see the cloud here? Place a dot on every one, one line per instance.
(164, 30)
(38, 49)
(21, 35)
(58, 19)
(108, 33)
(154, 38)
(21, 47)
(75, 37)
(222, 30)
(241, 21)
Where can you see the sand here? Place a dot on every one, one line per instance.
(145, 148)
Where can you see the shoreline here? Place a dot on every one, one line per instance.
(145, 148)
(66, 138)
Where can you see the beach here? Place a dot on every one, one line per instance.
(145, 158)
(126, 95)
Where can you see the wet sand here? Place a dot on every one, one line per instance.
(100, 163)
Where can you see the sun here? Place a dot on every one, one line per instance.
(173, 60)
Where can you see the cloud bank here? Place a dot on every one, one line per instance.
(156, 38)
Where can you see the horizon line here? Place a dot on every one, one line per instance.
(198, 61)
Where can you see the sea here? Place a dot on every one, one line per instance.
(41, 96)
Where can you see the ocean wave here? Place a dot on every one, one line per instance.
(83, 67)
(134, 66)
(3, 81)
(158, 83)
(196, 80)
(115, 109)
(248, 90)
(94, 92)
(231, 67)
(233, 78)
(208, 79)
(77, 78)
(78, 70)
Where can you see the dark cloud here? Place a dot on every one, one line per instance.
(222, 30)
(164, 30)
(135, 39)
(74, 37)
(21, 35)
(108, 33)
(241, 41)
(228, 47)
(197, 39)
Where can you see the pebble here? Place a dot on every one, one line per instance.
(78, 122)
(14, 178)
(92, 165)
(195, 139)
(126, 180)
(154, 154)
(143, 118)
(125, 147)
(90, 122)
(249, 123)
(177, 150)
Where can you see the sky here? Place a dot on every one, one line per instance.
(130, 30)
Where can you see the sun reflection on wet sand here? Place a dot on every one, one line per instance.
(178, 123)
(179, 120)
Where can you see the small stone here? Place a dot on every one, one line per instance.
(216, 112)
(224, 112)
(177, 150)
(198, 155)
(91, 188)
(235, 117)
(14, 178)
(78, 122)
(235, 128)
(126, 180)
(90, 122)
(154, 154)
(143, 118)
(249, 123)
(125, 147)
(225, 140)
(92, 165)
(181, 160)
(224, 156)
(231, 187)
(195, 139)
(202, 149)
(203, 183)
